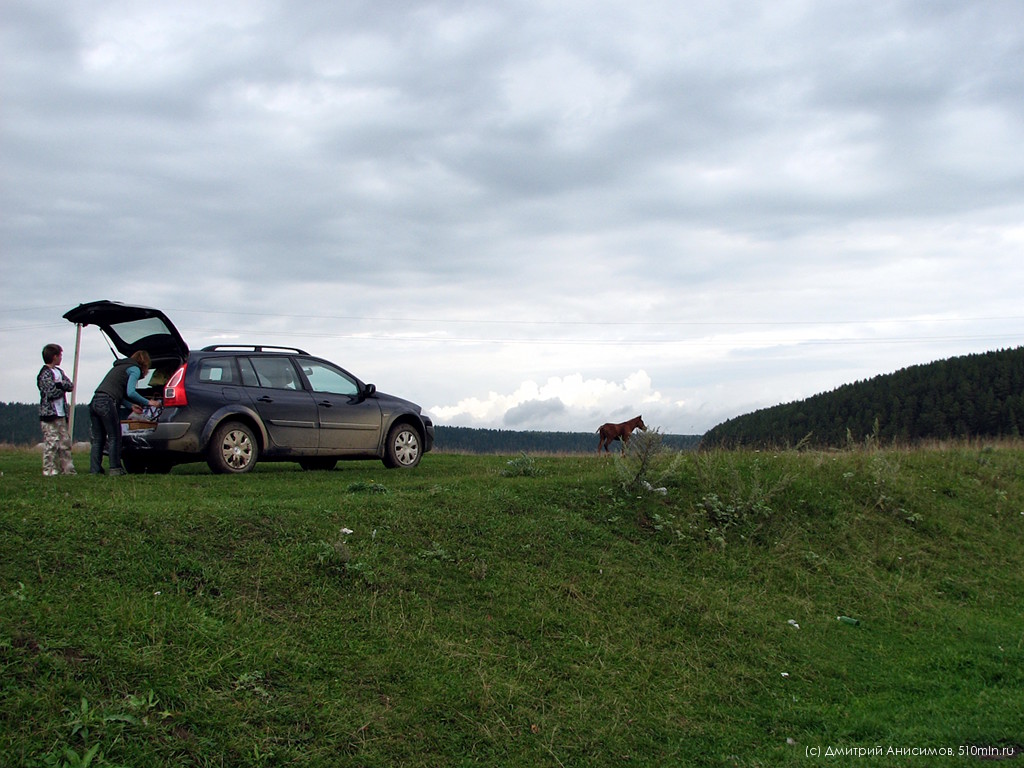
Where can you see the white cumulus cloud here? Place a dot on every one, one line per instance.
(569, 403)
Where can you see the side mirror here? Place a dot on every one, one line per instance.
(370, 391)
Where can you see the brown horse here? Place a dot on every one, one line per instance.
(611, 432)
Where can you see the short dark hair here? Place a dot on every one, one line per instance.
(50, 352)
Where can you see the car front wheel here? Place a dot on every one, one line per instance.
(403, 448)
(233, 449)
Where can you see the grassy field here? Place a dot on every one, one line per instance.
(663, 610)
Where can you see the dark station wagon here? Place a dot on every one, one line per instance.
(234, 405)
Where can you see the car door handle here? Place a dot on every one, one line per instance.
(325, 404)
(265, 399)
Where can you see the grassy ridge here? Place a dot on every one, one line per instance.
(532, 611)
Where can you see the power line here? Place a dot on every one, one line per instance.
(512, 322)
(625, 342)
(604, 323)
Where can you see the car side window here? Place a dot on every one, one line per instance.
(275, 372)
(326, 378)
(249, 378)
(217, 370)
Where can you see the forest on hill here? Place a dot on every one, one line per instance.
(979, 395)
(19, 425)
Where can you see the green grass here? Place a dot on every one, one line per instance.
(512, 611)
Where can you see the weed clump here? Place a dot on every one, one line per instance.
(522, 466)
(338, 556)
(736, 502)
(367, 486)
(641, 467)
(705, 497)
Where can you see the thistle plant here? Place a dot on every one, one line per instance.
(522, 466)
(641, 467)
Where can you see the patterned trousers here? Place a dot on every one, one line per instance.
(56, 448)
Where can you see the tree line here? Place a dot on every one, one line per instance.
(473, 440)
(19, 425)
(979, 395)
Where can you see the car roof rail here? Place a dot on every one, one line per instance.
(254, 348)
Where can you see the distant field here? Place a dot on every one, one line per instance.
(667, 609)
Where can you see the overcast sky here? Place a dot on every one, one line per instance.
(527, 214)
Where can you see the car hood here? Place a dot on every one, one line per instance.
(390, 402)
(131, 328)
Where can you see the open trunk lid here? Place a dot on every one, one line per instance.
(131, 328)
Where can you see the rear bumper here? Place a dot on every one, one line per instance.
(170, 437)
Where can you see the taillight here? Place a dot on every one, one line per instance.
(174, 391)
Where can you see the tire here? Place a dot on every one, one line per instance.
(233, 449)
(318, 464)
(403, 449)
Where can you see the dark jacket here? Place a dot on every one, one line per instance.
(115, 383)
(51, 391)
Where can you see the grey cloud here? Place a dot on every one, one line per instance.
(534, 412)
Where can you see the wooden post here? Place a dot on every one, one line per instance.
(74, 381)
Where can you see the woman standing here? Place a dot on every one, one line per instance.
(104, 410)
(53, 385)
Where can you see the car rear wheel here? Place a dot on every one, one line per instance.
(403, 448)
(233, 449)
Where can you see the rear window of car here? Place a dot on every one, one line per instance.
(132, 331)
(270, 372)
(217, 370)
